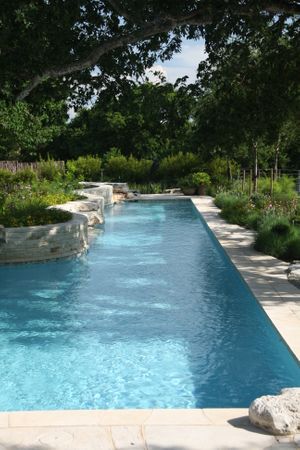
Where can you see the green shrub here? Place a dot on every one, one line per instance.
(87, 168)
(292, 249)
(175, 167)
(187, 182)
(25, 176)
(253, 219)
(6, 178)
(201, 178)
(218, 169)
(132, 170)
(234, 209)
(150, 188)
(20, 211)
(284, 185)
(49, 170)
(275, 235)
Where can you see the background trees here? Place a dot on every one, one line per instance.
(244, 106)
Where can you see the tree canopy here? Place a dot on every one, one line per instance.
(60, 48)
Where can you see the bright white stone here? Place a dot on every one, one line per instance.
(278, 414)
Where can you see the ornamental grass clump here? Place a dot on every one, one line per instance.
(278, 237)
(234, 208)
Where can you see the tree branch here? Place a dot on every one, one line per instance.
(283, 7)
(120, 10)
(145, 31)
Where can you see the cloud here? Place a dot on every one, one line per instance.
(150, 73)
(186, 62)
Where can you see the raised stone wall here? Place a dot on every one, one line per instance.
(44, 242)
(98, 190)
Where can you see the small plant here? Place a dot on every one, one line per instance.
(201, 178)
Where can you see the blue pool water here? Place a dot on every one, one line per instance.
(155, 316)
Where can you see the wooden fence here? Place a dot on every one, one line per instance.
(15, 166)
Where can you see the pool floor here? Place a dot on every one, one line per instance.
(154, 316)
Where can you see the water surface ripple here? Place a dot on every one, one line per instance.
(154, 316)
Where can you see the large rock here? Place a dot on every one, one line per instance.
(93, 209)
(278, 414)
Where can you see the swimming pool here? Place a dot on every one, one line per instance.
(154, 316)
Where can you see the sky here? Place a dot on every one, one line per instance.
(184, 63)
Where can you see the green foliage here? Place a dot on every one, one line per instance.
(120, 168)
(145, 119)
(235, 209)
(27, 176)
(194, 180)
(24, 199)
(174, 167)
(20, 211)
(277, 237)
(6, 180)
(283, 186)
(272, 217)
(201, 178)
(187, 182)
(150, 188)
(23, 132)
(49, 170)
(87, 168)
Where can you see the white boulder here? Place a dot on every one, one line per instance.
(278, 414)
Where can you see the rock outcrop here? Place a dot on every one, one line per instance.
(278, 414)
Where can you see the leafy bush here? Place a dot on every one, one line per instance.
(49, 170)
(20, 211)
(218, 169)
(120, 168)
(283, 186)
(234, 208)
(150, 188)
(175, 167)
(201, 178)
(187, 182)
(25, 176)
(87, 168)
(6, 178)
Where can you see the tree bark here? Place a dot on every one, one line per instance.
(255, 171)
(277, 151)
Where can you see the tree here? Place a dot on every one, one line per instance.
(249, 87)
(145, 119)
(23, 134)
(49, 47)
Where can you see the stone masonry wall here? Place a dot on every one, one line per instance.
(45, 242)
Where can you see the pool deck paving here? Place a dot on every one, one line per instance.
(175, 429)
